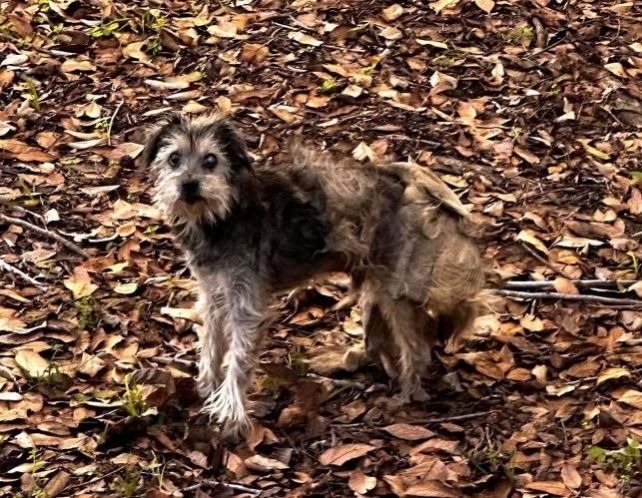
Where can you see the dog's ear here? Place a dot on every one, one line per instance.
(158, 133)
(233, 146)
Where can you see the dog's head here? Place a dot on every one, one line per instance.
(196, 162)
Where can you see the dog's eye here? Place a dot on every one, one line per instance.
(174, 159)
(210, 161)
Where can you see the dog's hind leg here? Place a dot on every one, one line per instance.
(379, 343)
(407, 322)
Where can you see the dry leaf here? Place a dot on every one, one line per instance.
(570, 476)
(485, 5)
(80, 283)
(531, 238)
(552, 487)
(632, 397)
(409, 432)
(361, 483)
(339, 455)
(304, 39)
(612, 373)
(392, 13)
(31, 363)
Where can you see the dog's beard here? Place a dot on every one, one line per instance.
(215, 203)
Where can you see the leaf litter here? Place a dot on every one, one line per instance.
(530, 110)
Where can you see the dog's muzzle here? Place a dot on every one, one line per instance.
(190, 191)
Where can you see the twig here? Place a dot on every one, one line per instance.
(540, 33)
(454, 418)
(582, 284)
(12, 269)
(235, 487)
(544, 261)
(570, 297)
(338, 382)
(111, 121)
(190, 365)
(47, 233)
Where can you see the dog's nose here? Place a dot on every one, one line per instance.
(190, 191)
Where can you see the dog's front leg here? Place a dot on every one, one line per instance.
(212, 308)
(242, 316)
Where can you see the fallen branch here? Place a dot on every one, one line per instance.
(455, 418)
(581, 284)
(571, 297)
(189, 364)
(12, 269)
(337, 382)
(111, 121)
(46, 233)
(229, 485)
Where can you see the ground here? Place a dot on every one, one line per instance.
(530, 110)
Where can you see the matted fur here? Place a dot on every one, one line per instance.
(397, 228)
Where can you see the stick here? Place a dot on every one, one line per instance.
(582, 284)
(47, 233)
(338, 382)
(570, 297)
(12, 269)
(235, 487)
(540, 32)
(111, 121)
(455, 418)
(190, 365)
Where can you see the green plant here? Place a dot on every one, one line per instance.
(329, 85)
(86, 315)
(626, 462)
(133, 400)
(126, 487)
(521, 34)
(105, 30)
(153, 20)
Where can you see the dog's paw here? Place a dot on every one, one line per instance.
(226, 407)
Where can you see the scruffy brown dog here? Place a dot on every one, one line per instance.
(252, 231)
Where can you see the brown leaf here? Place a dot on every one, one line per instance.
(570, 476)
(409, 432)
(392, 13)
(361, 483)
(338, 455)
(9, 322)
(80, 283)
(432, 489)
(31, 363)
(254, 53)
(260, 463)
(552, 487)
(57, 484)
(631, 397)
(485, 5)
(565, 286)
(612, 373)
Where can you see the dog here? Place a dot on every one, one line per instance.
(252, 231)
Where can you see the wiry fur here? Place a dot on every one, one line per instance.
(397, 228)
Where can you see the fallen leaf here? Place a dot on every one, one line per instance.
(409, 432)
(612, 373)
(80, 283)
(571, 476)
(393, 12)
(31, 363)
(552, 487)
(338, 455)
(632, 397)
(361, 483)
(485, 5)
(304, 39)
(530, 237)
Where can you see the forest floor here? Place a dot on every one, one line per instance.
(530, 110)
